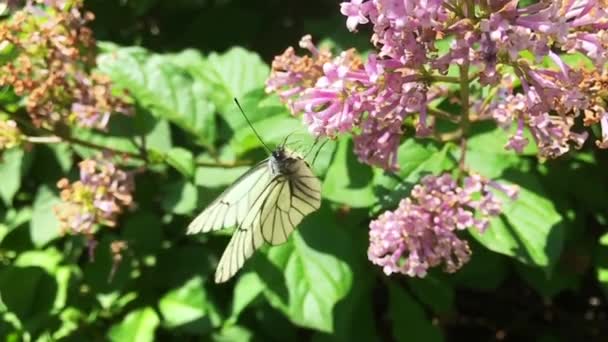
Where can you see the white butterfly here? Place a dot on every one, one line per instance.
(264, 205)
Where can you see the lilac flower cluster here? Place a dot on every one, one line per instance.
(421, 232)
(54, 54)
(373, 99)
(100, 195)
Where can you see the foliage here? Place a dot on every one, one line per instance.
(539, 271)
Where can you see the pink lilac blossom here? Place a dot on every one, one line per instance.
(422, 232)
(370, 98)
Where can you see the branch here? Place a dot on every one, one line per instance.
(49, 136)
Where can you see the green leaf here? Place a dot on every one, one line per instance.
(50, 260)
(13, 219)
(233, 333)
(347, 180)
(247, 289)
(216, 177)
(188, 308)
(13, 164)
(63, 155)
(168, 90)
(410, 322)
(182, 160)
(44, 226)
(416, 159)
(493, 140)
(179, 197)
(157, 132)
(137, 326)
(530, 229)
(106, 140)
(307, 276)
(232, 75)
(273, 130)
(28, 292)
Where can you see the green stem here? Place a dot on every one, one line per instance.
(444, 115)
(445, 79)
(466, 107)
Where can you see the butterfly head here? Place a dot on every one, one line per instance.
(281, 159)
(279, 154)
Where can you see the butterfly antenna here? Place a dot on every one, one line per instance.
(252, 128)
(287, 137)
(312, 147)
(319, 150)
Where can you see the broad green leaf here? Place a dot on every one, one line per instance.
(63, 155)
(416, 159)
(273, 131)
(188, 307)
(137, 326)
(233, 333)
(13, 164)
(168, 90)
(487, 156)
(409, 321)
(232, 75)
(107, 140)
(156, 131)
(182, 160)
(28, 292)
(307, 276)
(348, 181)
(354, 317)
(44, 226)
(530, 229)
(493, 140)
(247, 289)
(257, 105)
(13, 219)
(179, 197)
(50, 260)
(216, 177)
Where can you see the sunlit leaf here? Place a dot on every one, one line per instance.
(306, 276)
(44, 226)
(187, 307)
(347, 180)
(13, 164)
(531, 229)
(137, 326)
(168, 90)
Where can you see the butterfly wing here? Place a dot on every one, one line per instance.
(231, 207)
(273, 215)
(289, 202)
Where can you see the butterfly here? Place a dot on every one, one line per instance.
(265, 205)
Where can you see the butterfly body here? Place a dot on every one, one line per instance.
(265, 205)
